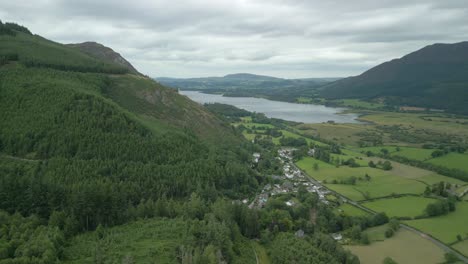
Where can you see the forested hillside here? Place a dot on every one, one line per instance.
(99, 165)
(88, 146)
(433, 77)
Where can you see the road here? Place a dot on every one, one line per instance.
(422, 234)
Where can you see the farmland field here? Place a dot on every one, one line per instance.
(352, 210)
(403, 247)
(446, 227)
(452, 160)
(382, 183)
(414, 153)
(409, 206)
(462, 247)
(307, 164)
(440, 123)
(343, 133)
(376, 233)
(422, 175)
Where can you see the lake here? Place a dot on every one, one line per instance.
(305, 113)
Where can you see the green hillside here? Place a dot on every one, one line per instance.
(99, 165)
(433, 77)
(81, 139)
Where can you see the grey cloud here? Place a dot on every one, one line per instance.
(286, 38)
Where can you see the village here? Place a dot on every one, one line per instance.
(289, 182)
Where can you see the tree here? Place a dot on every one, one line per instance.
(365, 239)
(316, 167)
(372, 164)
(380, 219)
(387, 165)
(356, 232)
(450, 258)
(394, 224)
(389, 233)
(384, 151)
(389, 260)
(367, 177)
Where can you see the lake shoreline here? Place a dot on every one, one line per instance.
(296, 112)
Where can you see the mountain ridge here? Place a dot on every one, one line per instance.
(435, 76)
(102, 52)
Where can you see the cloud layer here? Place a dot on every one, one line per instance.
(293, 38)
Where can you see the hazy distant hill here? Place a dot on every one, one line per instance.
(104, 53)
(435, 77)
(240, 81)
(245, 84)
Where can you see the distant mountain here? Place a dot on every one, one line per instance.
(104, 53)
(246, 84)
(240, 81)
(433, 77)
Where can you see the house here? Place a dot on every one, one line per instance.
(256, 157)
(299, 233)
(337, 236)
(290, 203)
(311, 152)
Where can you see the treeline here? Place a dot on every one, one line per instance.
(18, 44)
(214, 231)
(9, 28)
(229, 112)
(96, 67)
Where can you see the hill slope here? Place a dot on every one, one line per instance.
(104, 53)
(78, 140)
(434, 77)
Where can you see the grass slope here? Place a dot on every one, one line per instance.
(446, 227)
(403, 247)
(407, 206)
(452, 160)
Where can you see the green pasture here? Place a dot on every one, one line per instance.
(446, 227)
(351, 210)
(406, 206)
(452, 160)
(403, 247)
(462, 247)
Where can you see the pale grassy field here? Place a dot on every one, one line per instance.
(404, 247)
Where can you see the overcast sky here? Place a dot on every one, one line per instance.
(293, 38)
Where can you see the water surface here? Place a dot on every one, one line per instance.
(305, 113)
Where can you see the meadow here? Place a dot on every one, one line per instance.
(351, 210)
(446, 227)
(403, 247)
(462, 247)
(439, 123)
(347, 134)
(406, 206)
(376, 233)
(382, 183)
(452, 160)
(414, 153)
